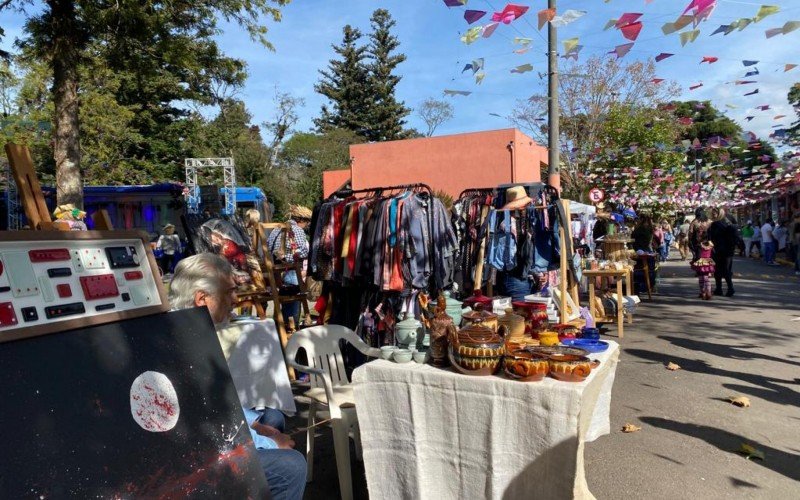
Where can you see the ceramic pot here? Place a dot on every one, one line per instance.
(569, 368)
(478, 301)
(515, 325)
(535, 316)
(407, 332)
(565, 331)
(548, 338)
(442, 329)
(476, 350)
(480, 318)
(590, 333)
(454, 308)
(526, 366)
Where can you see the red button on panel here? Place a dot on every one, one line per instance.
(64, 290)
(133, 275)
(7, 315)
(99, 286)
(50, 255)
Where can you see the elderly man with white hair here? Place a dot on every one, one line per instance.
(206, 280)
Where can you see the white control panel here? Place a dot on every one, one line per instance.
(44, 282)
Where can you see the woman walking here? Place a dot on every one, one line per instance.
(697, 232)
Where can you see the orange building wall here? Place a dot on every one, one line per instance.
(449, 163)
(333, 180)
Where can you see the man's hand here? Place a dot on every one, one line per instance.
(283, 441)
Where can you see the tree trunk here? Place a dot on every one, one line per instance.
(66, 54)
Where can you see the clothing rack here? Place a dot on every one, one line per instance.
(343, 193)
(475, 191)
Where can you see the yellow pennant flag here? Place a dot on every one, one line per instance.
(766, 10)
(570, 44)
(689, 36)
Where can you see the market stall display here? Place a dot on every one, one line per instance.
(490, 436)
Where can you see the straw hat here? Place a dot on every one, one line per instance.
(516, 197)
(299, 212)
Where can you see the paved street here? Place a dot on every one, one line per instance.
(746, 345)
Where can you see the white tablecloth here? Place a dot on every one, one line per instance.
(256, 362)
(435, 434)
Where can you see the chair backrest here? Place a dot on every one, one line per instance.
(321, 344)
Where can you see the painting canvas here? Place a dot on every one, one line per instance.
(140, 408)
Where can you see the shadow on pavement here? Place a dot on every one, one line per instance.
(724, 351)
(775, 393)
(779, 461)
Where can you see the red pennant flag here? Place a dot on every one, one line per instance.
(709, 59)
(631, 31)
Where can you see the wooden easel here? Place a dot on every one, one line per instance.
(30, 191)
(566, 285)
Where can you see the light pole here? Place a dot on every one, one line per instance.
(553, 176)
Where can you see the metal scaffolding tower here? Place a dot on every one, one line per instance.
(192, 165)
(12, 201)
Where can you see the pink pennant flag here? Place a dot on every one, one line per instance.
(699, 6)
(621, 50)
(663, 56)
(631, 31)
(489, 29)
(656, 80)
(472, 16)
(789, 67)
(709, 59)
(773, 32)
(509, 13)
(697, 86)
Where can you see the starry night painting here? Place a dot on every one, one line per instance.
(140, 408)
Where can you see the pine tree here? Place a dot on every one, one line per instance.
(345, 84)
(385, 119)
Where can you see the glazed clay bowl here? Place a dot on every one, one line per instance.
(548, 338)
(526, 366)
(558, 349)
(592, 346)
(569, 368)
(474, 365)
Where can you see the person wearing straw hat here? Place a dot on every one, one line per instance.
(296, 247)
(169, 243)
(723, 235)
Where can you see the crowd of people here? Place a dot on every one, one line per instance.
(711, 238)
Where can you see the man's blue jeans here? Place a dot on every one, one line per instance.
(285, 469)
(769, 251)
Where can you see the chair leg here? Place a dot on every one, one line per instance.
(341, 443)
(312, 415)
(357, 442)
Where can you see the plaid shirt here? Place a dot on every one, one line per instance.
(296, 244)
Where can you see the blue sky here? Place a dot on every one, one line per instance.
(430, 37)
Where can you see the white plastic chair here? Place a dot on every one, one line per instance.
(330, 392)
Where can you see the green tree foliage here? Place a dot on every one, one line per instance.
(344, 83)
(306, 155)
(386, 115)
(794, 99)
(161, 53)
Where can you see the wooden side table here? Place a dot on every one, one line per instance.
(620, 275)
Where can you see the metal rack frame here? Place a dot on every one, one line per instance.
(192, 165)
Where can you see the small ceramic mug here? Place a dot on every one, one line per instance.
(387, 351)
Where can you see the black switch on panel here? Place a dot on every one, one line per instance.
(59, 272)
(4, 289)
(29, 314)
(126, 297)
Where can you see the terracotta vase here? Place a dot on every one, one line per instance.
(442, 329)
(476, 350)
(569, 368)
(526, 366)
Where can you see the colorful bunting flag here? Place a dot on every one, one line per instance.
(622, 50)
(689, 36)
(696, 86)
(472, 16)
(627, 18)
(509, 13)
(479, 77)
(663, 56)
(522, 41)
(472, 34)
(789, 67)
(751, 73)
(570, 44)
(611, 23)
(709, 59)
(656, 80)
(523, 68)
(723, 28)
(544, 16)
(489, 29)
(631, 31)
(749, 63)
(764, 11)
(457, 92)
(752, 93)
(455, 3)
(567, 18)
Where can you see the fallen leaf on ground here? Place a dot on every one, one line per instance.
(630, 428)
(673, 366)
(742, 401)
(750, 451)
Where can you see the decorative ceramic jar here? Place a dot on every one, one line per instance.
(526, 366)
(408, 332)
(454, 308)
(476, 350)
(515, 325)
(442, 329)
(590, 333)
(548, 338)
(566, 331)
(478, 301)
(535, 316)
(482, 318)
(569, 367)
